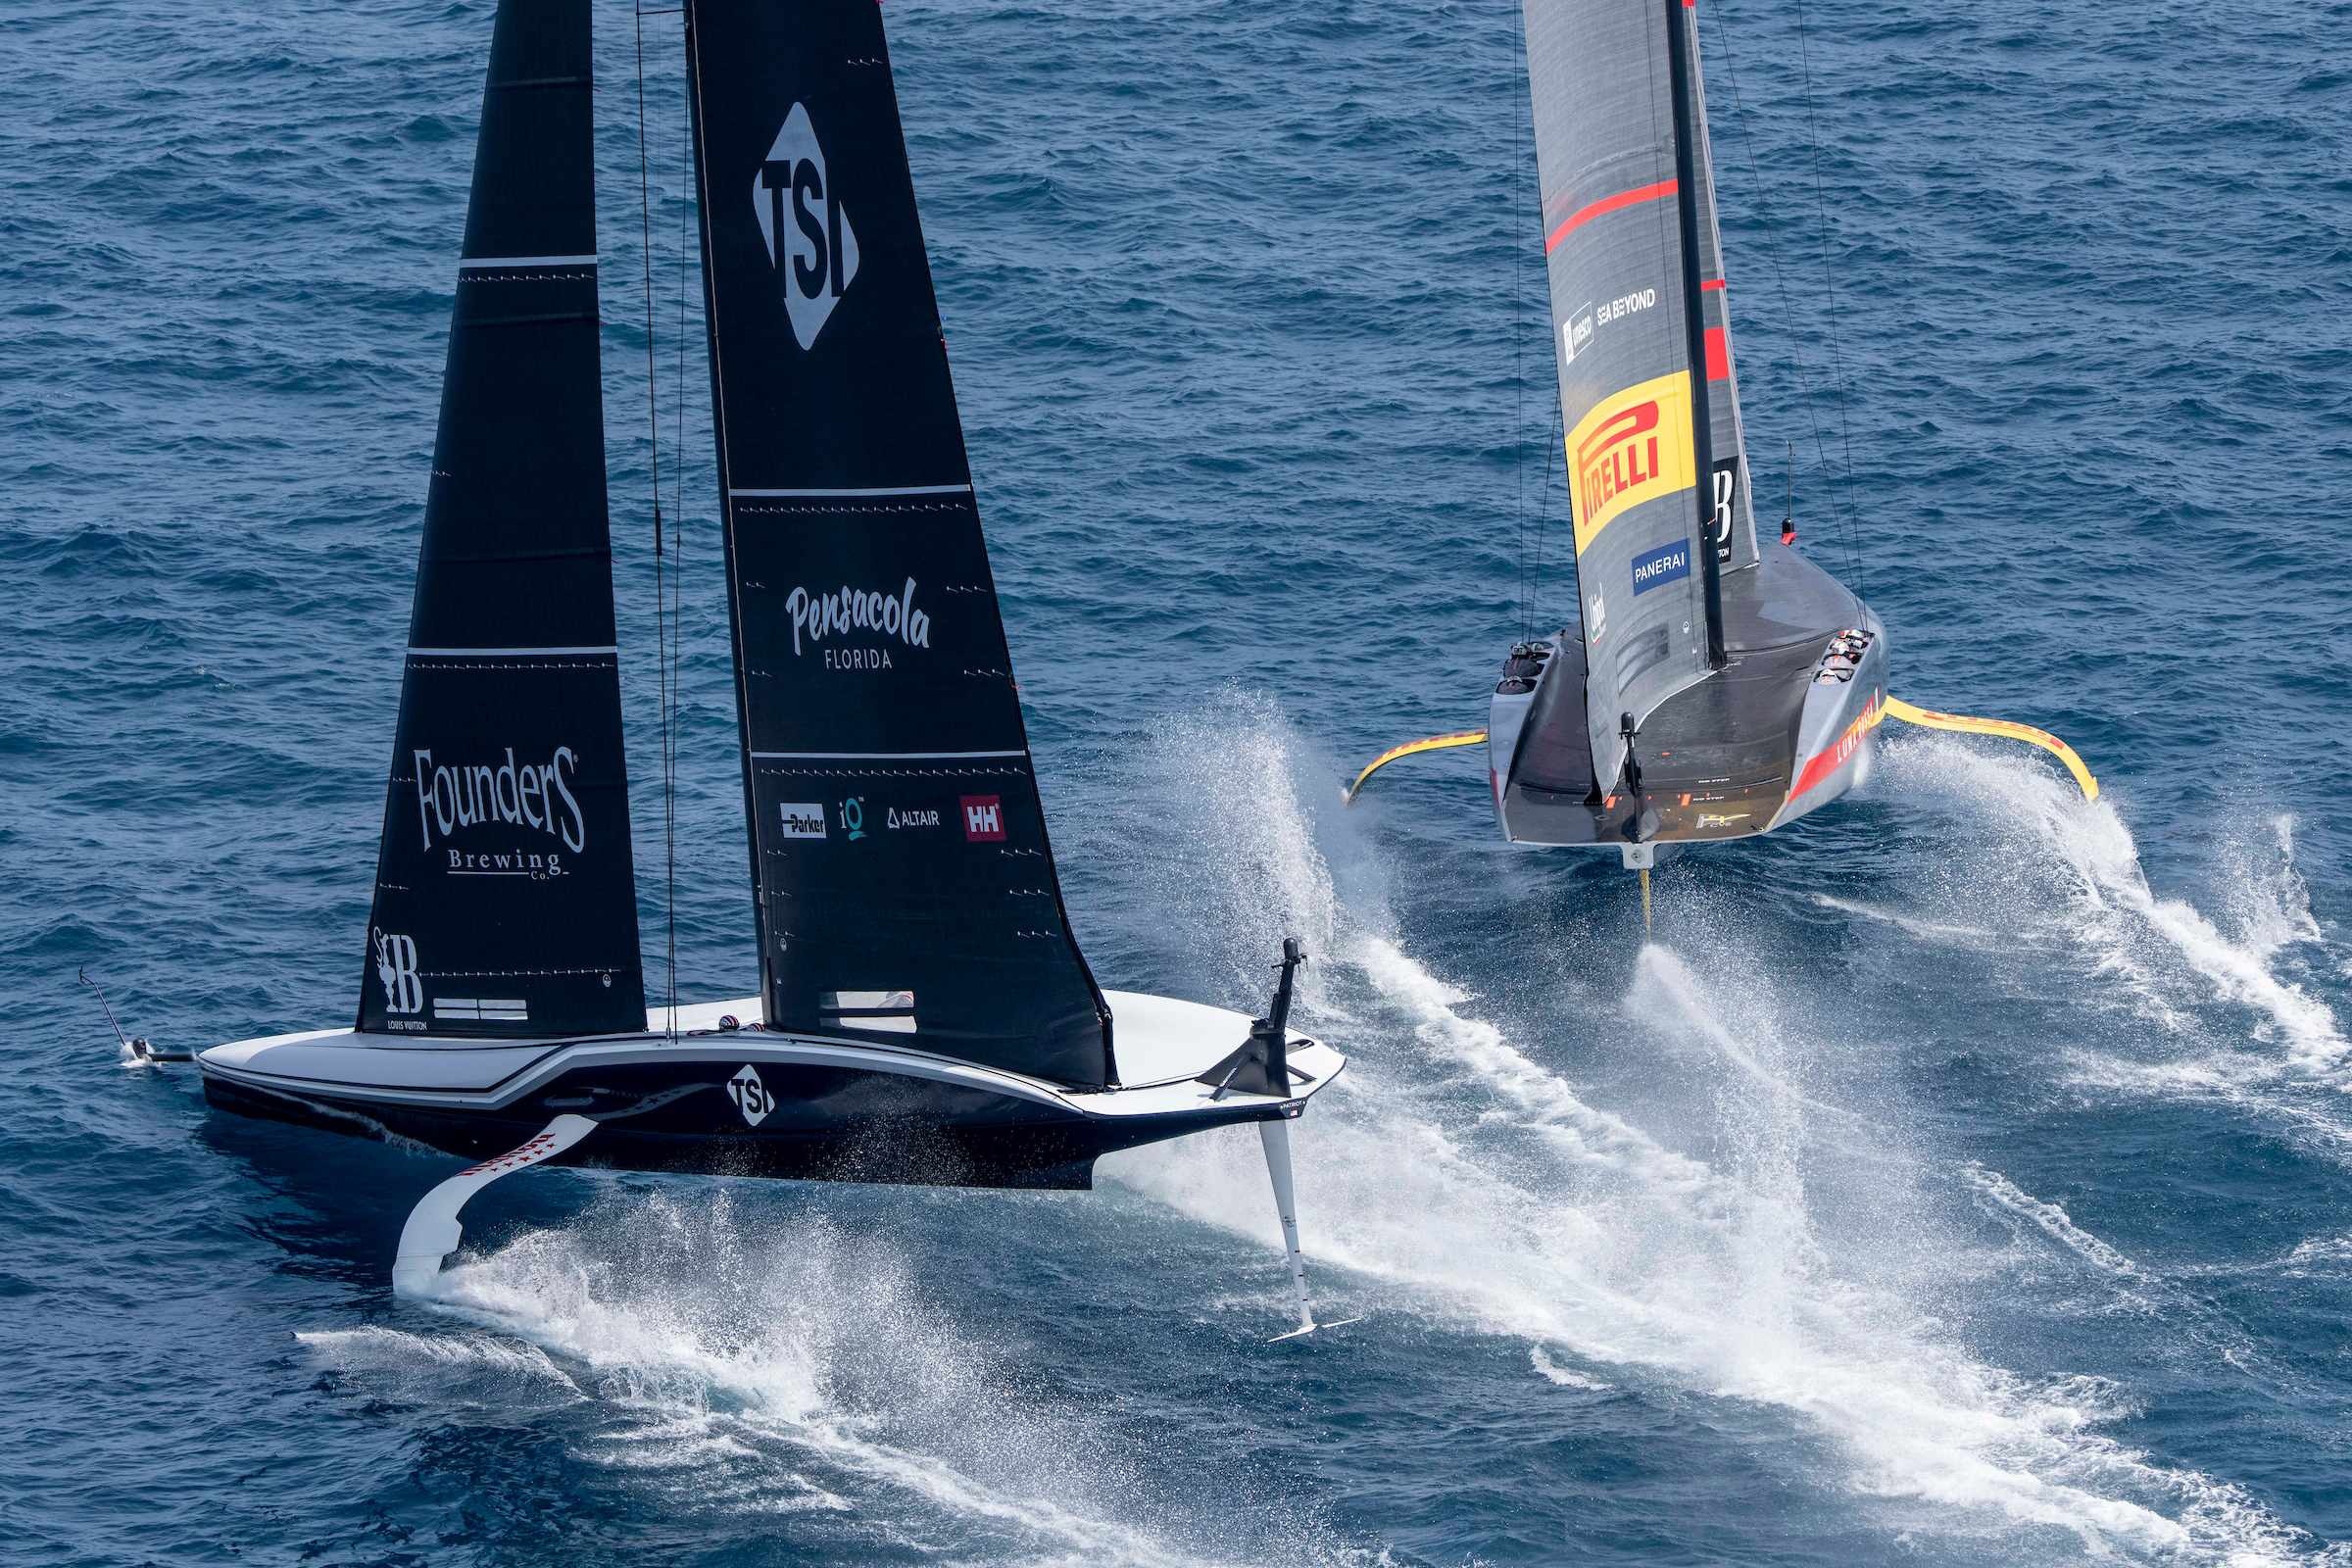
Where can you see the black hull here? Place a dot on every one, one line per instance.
(927, 1135)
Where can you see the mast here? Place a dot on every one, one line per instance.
(902, 884)
(1687, 154)
(506, 898)
(1608, 84)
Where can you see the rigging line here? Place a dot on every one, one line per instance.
(1821, 209)
(1552, 447)
(1772, 249)
(669, 825)
(1519, 342)
(652, 425)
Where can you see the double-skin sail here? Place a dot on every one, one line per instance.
(905, 890)
(504, 891)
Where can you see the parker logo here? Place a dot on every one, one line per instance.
(808, 232)
(804, 819)
(1634, 446)
(983, 818)
(821, 614)
(396, 969)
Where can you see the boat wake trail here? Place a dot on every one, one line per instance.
(732, 1365)
(2231, 989)
(2060, 869)
(1729, 1235)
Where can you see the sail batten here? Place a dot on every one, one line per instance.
(506, 891)
(898, 843)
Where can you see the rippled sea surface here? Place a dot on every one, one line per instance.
(1961, 1177)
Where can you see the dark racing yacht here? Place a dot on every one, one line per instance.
(923, 1012)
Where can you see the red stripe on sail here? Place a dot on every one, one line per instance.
(1715, 283)
(1719, 358)
(1608, 204)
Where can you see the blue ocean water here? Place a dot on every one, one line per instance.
(1961, 1176)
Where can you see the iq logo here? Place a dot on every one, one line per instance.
(983, 818)
(804, 226)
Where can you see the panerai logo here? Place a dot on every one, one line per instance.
(808, 235)
(829, 615)
(522, 794)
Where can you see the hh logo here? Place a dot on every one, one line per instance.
(751, 1095)
(983, 818)
(807, 234)
(396, 967)
(1635, 445)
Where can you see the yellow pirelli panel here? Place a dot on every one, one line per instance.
(1635, 445)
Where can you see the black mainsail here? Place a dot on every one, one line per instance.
(506, 900)
(903, 885)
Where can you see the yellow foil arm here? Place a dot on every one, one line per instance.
(1434, 742)
(1987, 726)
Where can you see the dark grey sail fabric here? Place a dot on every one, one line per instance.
(906, 891)
(1600, 79)
(1735, 509)
(506, 900)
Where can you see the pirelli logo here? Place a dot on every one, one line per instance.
(1635, 445)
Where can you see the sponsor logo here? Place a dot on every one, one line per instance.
(807, 232)
(751, 1095)
(853, 816)
(396, 970)
(804, 819)
(524, 794)
(1634, 446)
(983, 818)
(817, 616)
(1726, 492)
(1834, 757)
(894, 818)
(1600, 617)
(1716, 819)
(1575, 333)
(1624, 304)
(1657, 567)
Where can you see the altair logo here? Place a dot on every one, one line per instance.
(807, 234)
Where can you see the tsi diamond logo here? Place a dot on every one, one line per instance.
(751, 1095)
(807, 234)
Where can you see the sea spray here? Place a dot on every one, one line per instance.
(1462, 1183)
